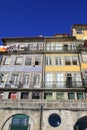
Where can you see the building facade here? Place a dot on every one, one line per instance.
(43, 83)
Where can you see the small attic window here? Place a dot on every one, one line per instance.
(79, 31)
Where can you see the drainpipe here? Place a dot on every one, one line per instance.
(41, 111)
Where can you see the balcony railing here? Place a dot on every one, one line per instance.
(50, 84)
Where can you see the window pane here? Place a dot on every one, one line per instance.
(48, 96)
(60, 95)
(7, 61)
(28, 61)
(18, 61)
(80, 96)
(71, 95)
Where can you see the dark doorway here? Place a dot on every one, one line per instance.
(69, 81)
(81, 124)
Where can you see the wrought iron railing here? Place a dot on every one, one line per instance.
(50, 84)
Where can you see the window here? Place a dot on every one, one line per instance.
(58, 61)
(37, 79)
(71, 95)
(28, 61)
(26, 80)
(54, 120)
(19, 122)
(1, 78)
(1, 95)
(84, 57)
(77, 79)
(35, 95)
(60, 80)
(67, 60)
(37, 60)
(7, 60)
(48, 95)
(15, 79)
(80, 95)
(74, 60)
(24, 95)
(60, 95)
(18, 60)
(79, 31)
(58, 47)
(48, 61)
(48, 46)
(12, 95)
(85, 77)
(48, 80)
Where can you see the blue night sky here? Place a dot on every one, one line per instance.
(23, 18)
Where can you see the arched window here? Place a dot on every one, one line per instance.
(81, 124)
(20, 122)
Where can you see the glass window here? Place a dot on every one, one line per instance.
(79, 31)
(48, 61)
(77, 79)
(58, 61)
(80, 95)
(7, 60)
(24, 95)
(35, 95)
(26, 80)
(58, 46)
(1, 95)
(60, 80)
(18, 60)
(85, 77)
(37, 61)
(48, 80)
(28, 61)
(12, 95)
(48, 95)
(54, 120)
(60, 95)
(74, 60)
(15, 79)
(67, 60)
(71, 95)
(37, 79)
(48, 46)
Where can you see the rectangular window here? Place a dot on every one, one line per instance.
(77, 79)
(48, 95)
(80, 95)
(48, 61)
(7, 60)
(12, 95)
(79, 31)
(85, 77)
(24, 95)
(60, 95)
(71, 95)
(60, 80)
(26, 80)
(58, 61)
(15, 80)
(37, 79)
(37, 61)
(28, 61)
(48, 80)
(1, 95)
(35, 95)
(67, 60)
(48, 46)
(58, 47)
(74, 60)
(18, 60)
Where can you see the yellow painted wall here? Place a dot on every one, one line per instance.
(61, 68)
(84, 65)
(82, 36)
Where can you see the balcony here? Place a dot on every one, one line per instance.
(64, 84)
